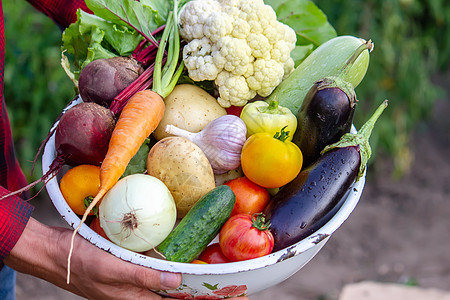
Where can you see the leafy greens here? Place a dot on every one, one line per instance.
(309, 22)
(117, 28)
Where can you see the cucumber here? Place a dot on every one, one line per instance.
(327, 60)
(200, 225)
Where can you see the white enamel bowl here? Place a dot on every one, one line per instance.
(216, 280)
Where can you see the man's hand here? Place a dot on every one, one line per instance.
(42, 252)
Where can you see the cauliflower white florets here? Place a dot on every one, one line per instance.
(239, 44)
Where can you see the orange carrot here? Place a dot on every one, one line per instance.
(138, 119)
(140, 116)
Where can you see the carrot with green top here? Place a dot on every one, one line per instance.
(139, 118)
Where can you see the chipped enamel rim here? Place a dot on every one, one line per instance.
(52, 186)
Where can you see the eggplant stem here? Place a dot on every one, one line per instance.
(367, 128)
(360, 139)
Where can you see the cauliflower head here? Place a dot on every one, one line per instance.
(239, 44)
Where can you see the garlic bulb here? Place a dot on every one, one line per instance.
(221, 140)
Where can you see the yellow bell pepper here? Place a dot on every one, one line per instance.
(260, 116)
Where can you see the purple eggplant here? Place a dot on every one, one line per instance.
(309, 201)
(327, 111)
(326, 114)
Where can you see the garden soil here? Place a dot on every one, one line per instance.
(398, 233)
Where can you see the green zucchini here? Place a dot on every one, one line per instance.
(200, 225)
(327, 60)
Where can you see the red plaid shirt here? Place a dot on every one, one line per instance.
(14, 212)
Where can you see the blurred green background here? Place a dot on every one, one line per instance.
(36, 87)
(412, 43)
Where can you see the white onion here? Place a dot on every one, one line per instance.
(138, 213)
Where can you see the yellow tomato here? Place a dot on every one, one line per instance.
(270, 161)
(78, 185)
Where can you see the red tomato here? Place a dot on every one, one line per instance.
(95, 225)
(250, 197)
(234, 110)
(245, 236)
(213, 255)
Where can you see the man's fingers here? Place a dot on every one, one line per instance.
(170, 280)
(156, 280)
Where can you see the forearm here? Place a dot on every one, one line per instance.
(37, 253)
(42, 251)
(14, 215)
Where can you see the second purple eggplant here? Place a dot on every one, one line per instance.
(309, 201)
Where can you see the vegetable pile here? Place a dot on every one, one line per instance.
(225, 123)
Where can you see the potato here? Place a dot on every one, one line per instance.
(184, 169)
(188, 107)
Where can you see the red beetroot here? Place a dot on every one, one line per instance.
(83, 134)
(103, 79)
(81, 137)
